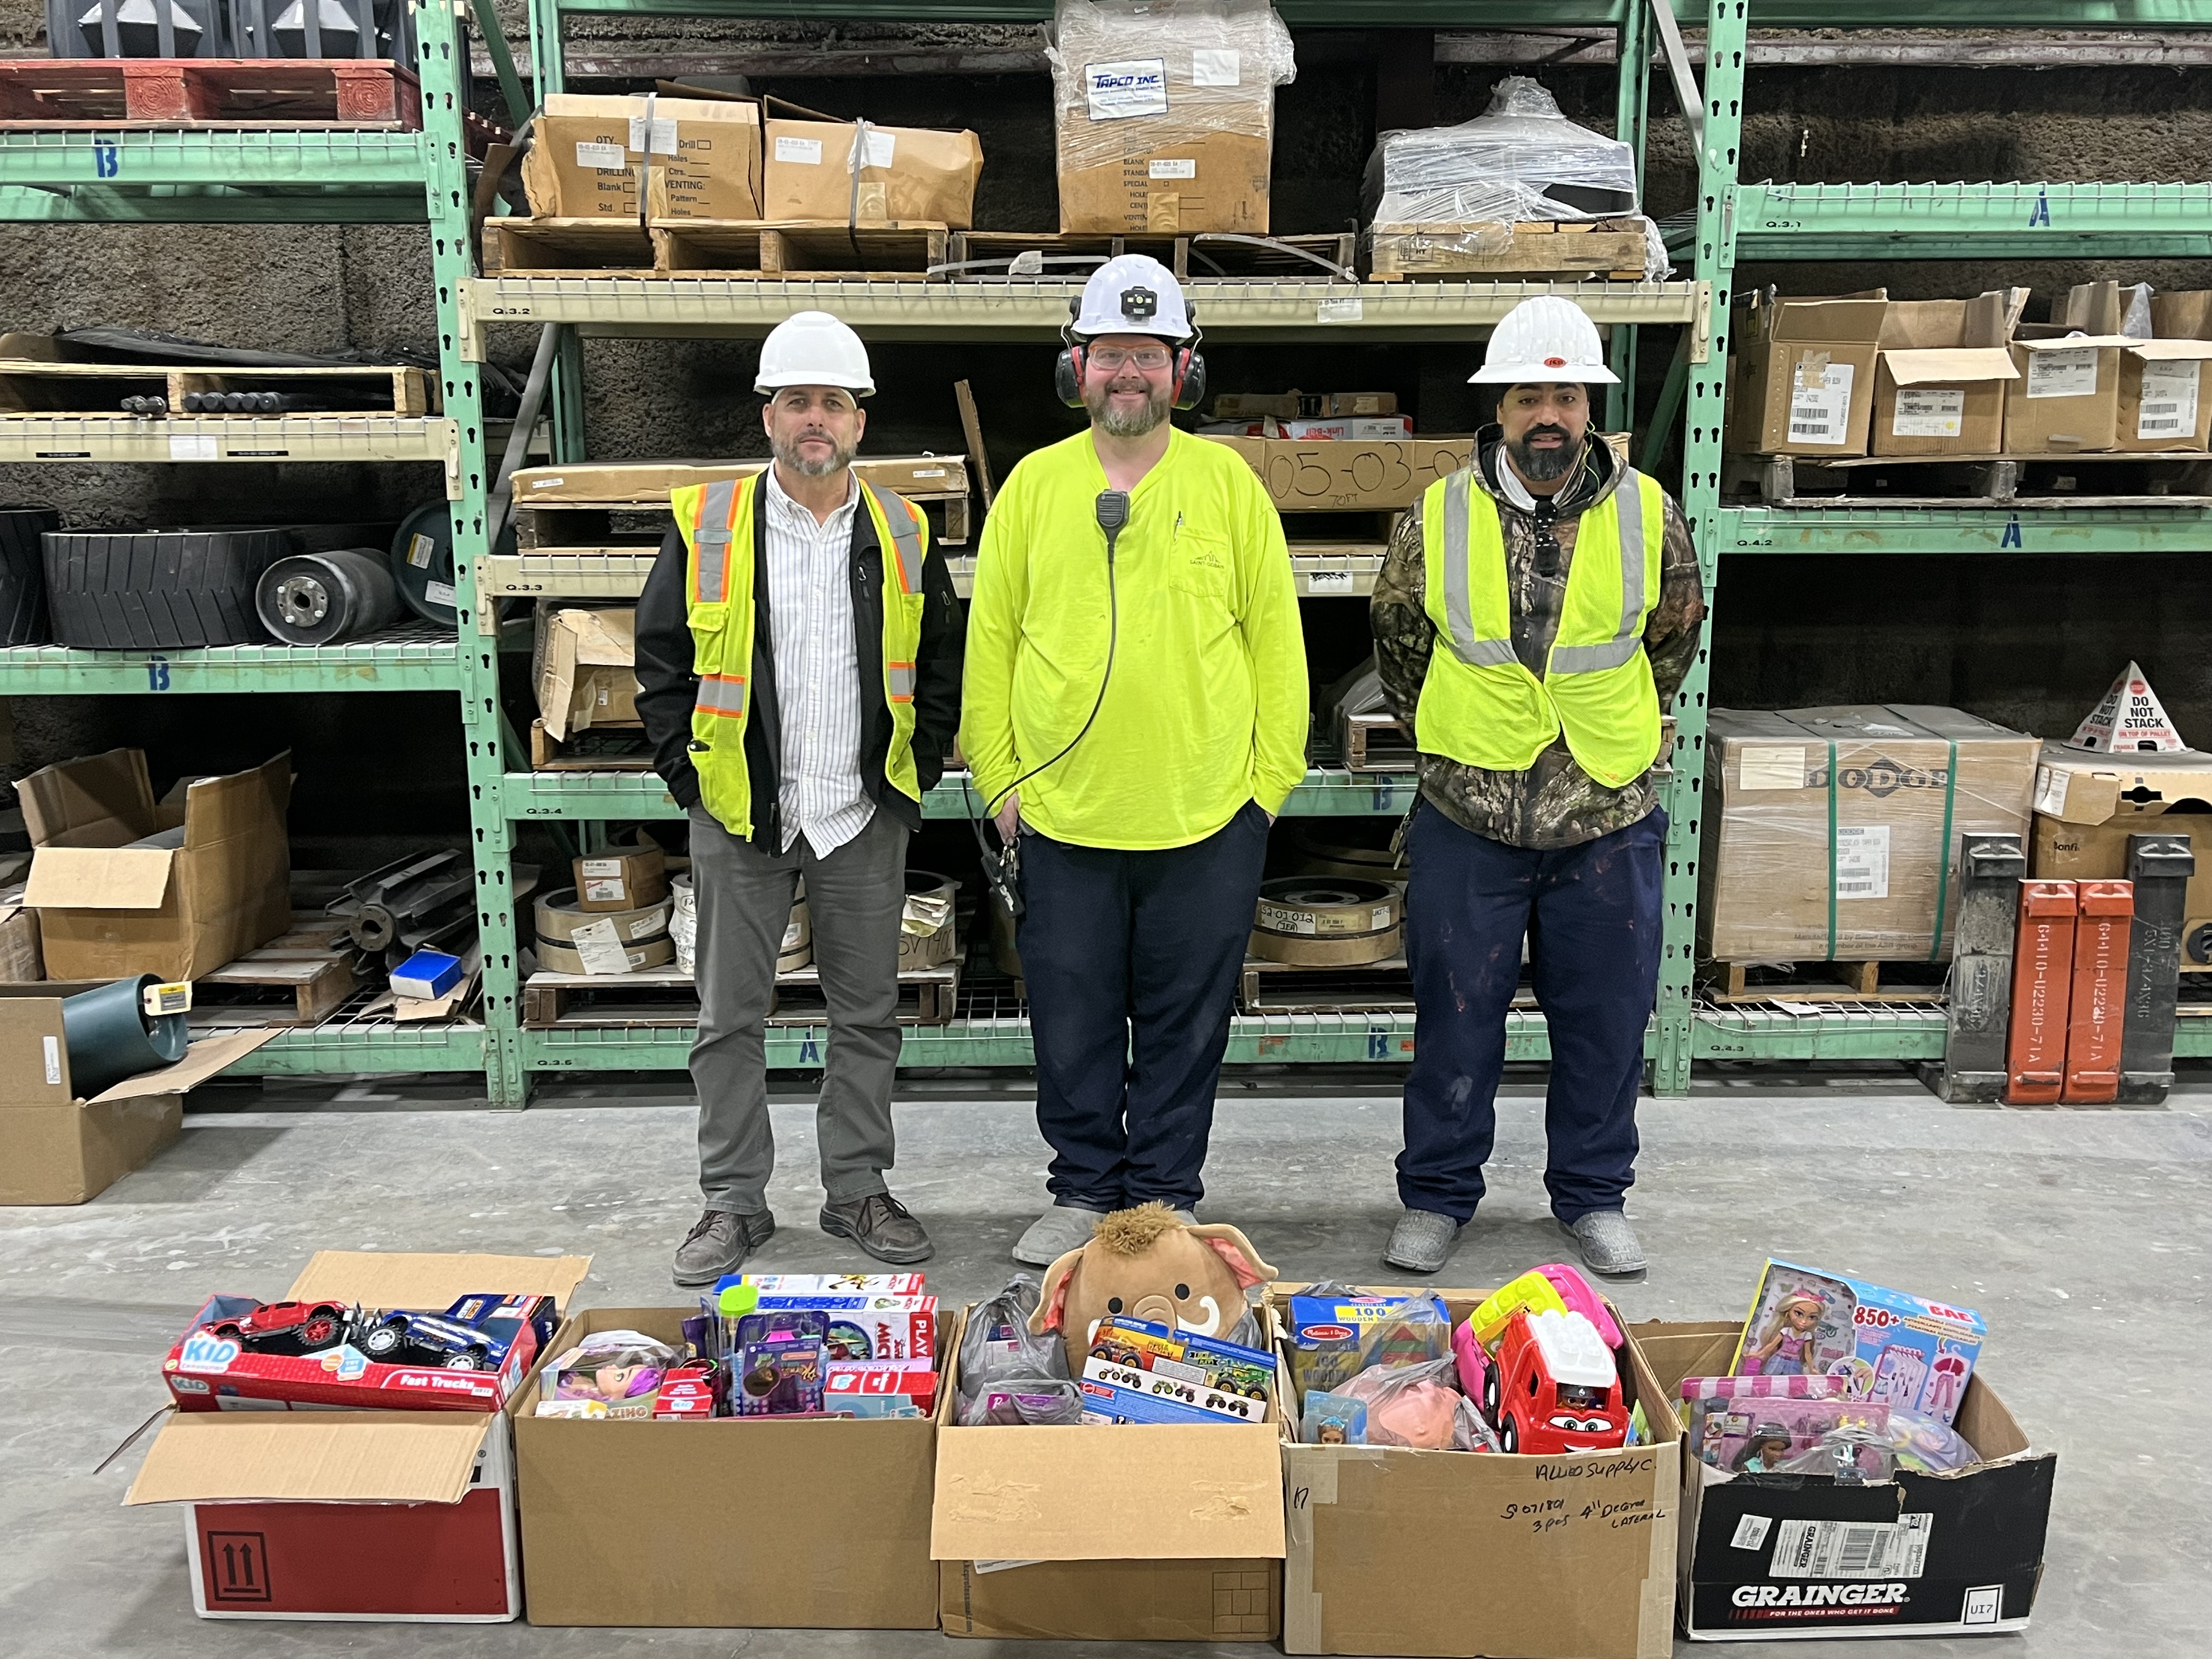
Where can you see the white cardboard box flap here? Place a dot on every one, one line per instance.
(202, 1060)
(99, 877)
(343, 1457)
(397, 1279)
(1151, 1491)
(1942, 366)
(2170, 350)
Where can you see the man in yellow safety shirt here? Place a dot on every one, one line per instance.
(1533, 616)
(1134, 716)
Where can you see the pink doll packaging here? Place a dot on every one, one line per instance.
(1886, 1345)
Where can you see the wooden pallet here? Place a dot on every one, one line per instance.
(31, 385)
(608, 246)
(999, 255)
(295, 980)
(1377, 988)
(1613, 249)
(2177, 478)
(601, 749)
(571, 524)
(1375, 743)
(107, 92)
(667, 998)
(809, 250)
(1730, 983)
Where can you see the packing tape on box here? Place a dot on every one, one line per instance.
(567, 959)
(558, 916)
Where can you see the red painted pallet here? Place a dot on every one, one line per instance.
(208, 92)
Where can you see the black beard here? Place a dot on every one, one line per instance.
(1542, 465)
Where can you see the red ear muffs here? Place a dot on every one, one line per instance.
(1068, 368)
(1189, 376)
(1067, 373)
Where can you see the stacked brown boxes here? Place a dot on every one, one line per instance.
(700, 158)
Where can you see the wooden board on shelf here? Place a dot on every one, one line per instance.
(610, 246)
(601, 749)
(1377, 988)
(294, 980)
(570, 508)
(1730, 983)
(1069, 255)
(1610, 248)
(47, 386)
(667, 998)
(772, 250)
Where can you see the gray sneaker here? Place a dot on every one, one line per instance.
(1609, 1244)
(1062, 1228)
(718, 1243)
(881, 1226)
(1421, 1240)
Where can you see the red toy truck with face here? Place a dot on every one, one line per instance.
(1554, 1386)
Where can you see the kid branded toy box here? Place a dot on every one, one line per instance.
(1886, 1346)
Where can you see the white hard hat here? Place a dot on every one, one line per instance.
(812, 348)
(1545, 338)
(1134, 294)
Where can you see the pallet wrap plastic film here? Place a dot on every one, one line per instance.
(1164, 111)
(1520, 160)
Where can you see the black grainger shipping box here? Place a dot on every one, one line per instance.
(1832, 835)
(786, 1523)
(1768, 1559)
(1570, 1556)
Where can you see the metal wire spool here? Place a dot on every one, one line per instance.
(422, 563)
(314, 599)
(1319, 921)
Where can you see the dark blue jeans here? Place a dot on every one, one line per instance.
(1131, 960)
(1592, 916)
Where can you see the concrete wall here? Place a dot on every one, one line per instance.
(2030, 641)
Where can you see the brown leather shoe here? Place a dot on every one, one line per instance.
(881, 1226)
(718, 1243)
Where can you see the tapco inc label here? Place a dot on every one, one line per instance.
(1881, 777)
(1130, 88)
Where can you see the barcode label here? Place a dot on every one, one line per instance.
(1851, 1549)
(2168, 409)
(1820, 414)
(1809, 422)
(1921, 413)
(1862, 861)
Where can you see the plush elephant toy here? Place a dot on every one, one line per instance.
(1145, 1264)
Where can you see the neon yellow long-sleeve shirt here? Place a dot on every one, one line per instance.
(1205, 708)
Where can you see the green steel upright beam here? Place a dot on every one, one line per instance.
(1631, 110)
(549, 76)
(1725, 31)
(444, 70)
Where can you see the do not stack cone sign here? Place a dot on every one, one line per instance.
(2128, 720)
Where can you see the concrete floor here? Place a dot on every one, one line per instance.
(2075, 1233)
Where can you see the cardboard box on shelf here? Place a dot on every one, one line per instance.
(1832, 835)
(1804, 374)
(1122, 1533)
(1942, 375)
(1164, 122)
(109, 906)
(702, 156)
(692, 1548)
(1586, 1538)
(1329, 474)
(1964, 1550)
(2163, 402)
(2067, 399)
(2087, 805)
(317, 1513)
(632, 877)
(56, 1148)
(586, 672)
(858, 172)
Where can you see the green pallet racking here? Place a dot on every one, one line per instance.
(274, 177)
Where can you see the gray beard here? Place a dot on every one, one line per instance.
(1542, 465)
(788, 454)
(1118, 423)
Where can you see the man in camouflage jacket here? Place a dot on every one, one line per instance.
(1548, 853)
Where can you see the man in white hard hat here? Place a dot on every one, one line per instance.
(799, 667)
(1533, 616)
(1135, 716)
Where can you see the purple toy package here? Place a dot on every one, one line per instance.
(778, 1378)
(1886, 1346)
(1755, 1435)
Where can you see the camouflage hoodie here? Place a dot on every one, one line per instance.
(1554, 803)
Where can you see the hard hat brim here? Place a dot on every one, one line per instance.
(777, 382)
(1540, 374)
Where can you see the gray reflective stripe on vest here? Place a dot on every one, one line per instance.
(721, 695)
(1621, 648)
(901, 676)
(905, 537)
(1458, 605)
(710, 542)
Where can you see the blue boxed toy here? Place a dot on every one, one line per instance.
(1904, 1351)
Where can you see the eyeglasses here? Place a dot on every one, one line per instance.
(1114, 359)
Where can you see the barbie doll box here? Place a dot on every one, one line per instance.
(1900, 1350)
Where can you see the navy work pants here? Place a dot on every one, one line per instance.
(1592, 916)
(1132, 959)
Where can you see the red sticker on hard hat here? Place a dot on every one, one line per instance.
(1555, 362)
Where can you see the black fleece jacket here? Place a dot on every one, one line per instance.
(668, 686)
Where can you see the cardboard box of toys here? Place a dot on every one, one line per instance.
(1804, 373)
(1125, 1490)
(724, 1521)
(316, 1513)
(1831, 835)
(1942, 374)
(57, 1146)
(701, 158)
(124, 883)
(1164, 115)
(1578, 1515)
(1817, 1501)
(2087, 805)
(857, 172)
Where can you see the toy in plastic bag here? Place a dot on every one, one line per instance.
(1926, 1446)
(1413, 1333)
(1420, 1406)
(1850, 1453)
(997, 1346)
(1022, 1401)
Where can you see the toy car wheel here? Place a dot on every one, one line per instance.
(319, 1329)
(386, 1337)
(1490, 1392)
(471, 1361)
(1508, 1435)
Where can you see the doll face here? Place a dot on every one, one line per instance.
(1801, 1318)
(1332, 1434)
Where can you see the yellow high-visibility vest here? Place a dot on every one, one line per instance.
(716, 520)
(1478, 704)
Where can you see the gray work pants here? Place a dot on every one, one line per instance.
(854, 898)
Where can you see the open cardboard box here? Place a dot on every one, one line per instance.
(1803, 375)
(1577, 1550)
(1981, 1528)
(322, 1514)
(57, 1149)
(2089, 802)
(1941, 377)
(790, 1524)
(1137, 1532)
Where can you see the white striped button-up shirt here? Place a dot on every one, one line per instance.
(818, 670)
